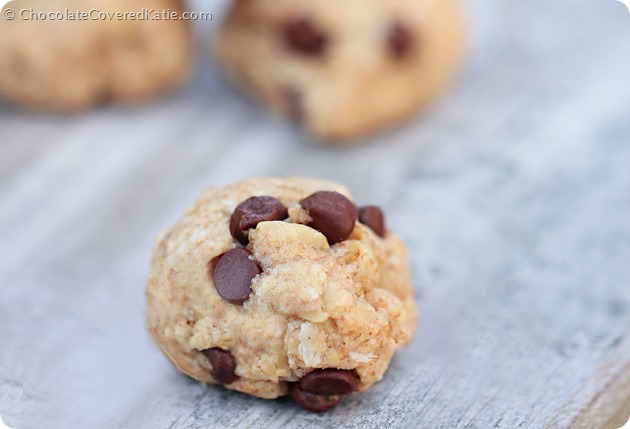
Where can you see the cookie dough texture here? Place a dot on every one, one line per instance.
(69, 65)
(344, 69)
(345, 306)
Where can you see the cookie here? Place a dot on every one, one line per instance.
(281, 286)
(342, 69)
(67, 63)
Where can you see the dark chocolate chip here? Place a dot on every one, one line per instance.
(332, 214)
(372, 216)
(330, 381)
(233, 275)
(399, 40)
(253, 211)
(223, 365)
(304, 37)
(315, 403)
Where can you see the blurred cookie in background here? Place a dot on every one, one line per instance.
(343, 69)
(67, 55)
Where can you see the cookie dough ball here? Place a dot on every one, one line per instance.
(344, 69)
(277, 286)
(68, 64)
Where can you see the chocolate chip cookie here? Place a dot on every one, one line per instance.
(279, 287)
(343, 69)
(50, 60)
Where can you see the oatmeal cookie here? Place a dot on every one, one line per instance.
(74, 62)
(343, 69)
(281, 286)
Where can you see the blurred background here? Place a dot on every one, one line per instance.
(512, 192)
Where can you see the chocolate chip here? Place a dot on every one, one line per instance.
(223, 365)
(372, 216)
(304, 37)
(315, 403)
(399, 40)
(253, 211)
(329, 381)
(233, 275)
(332, 214)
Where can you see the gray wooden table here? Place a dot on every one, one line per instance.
(513, 194)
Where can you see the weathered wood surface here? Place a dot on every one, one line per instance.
(513, 194)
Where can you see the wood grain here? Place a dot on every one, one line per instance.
(513, 194)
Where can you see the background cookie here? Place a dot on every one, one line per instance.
(266, 283)
(69, 65)
(344, 69)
